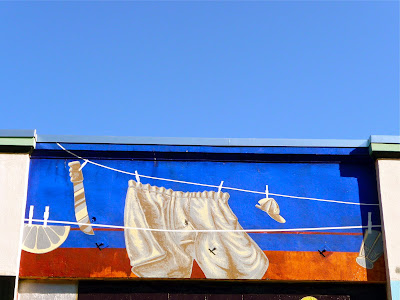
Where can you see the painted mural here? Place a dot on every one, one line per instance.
(102, 218)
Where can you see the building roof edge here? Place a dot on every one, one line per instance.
(183, 141)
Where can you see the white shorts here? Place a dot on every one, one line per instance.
(166, 254)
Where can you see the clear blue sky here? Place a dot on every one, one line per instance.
(271, 69)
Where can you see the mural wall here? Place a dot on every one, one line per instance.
(96, 217)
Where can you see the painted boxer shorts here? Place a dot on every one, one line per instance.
(166, 254)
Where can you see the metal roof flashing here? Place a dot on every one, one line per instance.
(18, 133)
(223, 142)
(379, 146)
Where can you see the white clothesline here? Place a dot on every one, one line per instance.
(205, 230)
(210, 185)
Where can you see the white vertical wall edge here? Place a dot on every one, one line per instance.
(21, 229)
(388, 177)
(14, 169)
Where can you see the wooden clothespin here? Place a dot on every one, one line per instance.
(137, 177)
(220, 187)
(30, 215)
(46, 216)
(369, 222)
(84, 164)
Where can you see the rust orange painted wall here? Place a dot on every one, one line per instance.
(114, 263)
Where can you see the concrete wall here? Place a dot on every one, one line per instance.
(14, 170)
(47, 290)
(388, 172)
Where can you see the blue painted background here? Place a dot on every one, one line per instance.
(49, 185)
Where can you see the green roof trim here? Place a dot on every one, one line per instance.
(379, 150)
(18, 141)
(17, 144)
(385, 147)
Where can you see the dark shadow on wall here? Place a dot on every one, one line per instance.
(224, 289)
(7, 287)
(365, 174)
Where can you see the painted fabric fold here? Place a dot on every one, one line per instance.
(224, 255)
(221, 255)
(157, 254)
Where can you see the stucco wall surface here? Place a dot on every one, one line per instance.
(389, 192)
(14, 170)
(37, 290)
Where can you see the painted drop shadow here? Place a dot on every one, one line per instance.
(365, 174)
